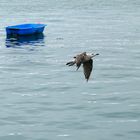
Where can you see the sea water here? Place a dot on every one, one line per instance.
(43, 99)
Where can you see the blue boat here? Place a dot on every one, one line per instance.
(25, 29)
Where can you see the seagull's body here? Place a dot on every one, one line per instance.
(87, 62)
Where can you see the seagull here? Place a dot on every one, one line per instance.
(87, 62)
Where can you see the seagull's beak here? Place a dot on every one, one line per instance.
(93, 55)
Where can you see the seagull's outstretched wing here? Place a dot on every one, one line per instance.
(87, 66)
(71, 63)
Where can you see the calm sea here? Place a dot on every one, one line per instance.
(43, 99)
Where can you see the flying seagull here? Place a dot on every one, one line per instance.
(84, 59)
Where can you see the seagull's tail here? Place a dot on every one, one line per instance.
(71, 63)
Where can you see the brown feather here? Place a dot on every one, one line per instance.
(87, 66)
(79, 59)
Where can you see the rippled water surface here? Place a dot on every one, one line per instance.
(43, 99)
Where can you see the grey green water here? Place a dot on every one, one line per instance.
(43, 99)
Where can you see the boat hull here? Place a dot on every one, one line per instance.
(25, 29)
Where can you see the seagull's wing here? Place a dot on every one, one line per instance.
(87, 66)
(71, 63)
(79, 59)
